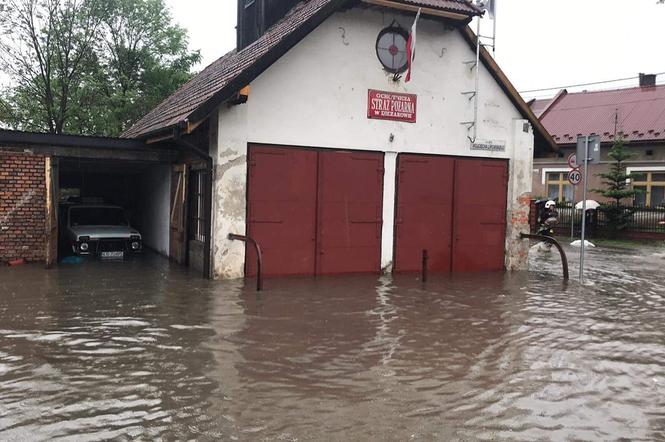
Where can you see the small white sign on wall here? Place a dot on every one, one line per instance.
(489, 146)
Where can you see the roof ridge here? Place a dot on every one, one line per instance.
(623, 89)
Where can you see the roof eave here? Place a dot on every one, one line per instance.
(440, 13)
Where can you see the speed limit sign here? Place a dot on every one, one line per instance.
(575, 177)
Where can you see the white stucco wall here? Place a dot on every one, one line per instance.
(316, 95)
(155, 208)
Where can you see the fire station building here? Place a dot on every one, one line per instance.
(308, 139)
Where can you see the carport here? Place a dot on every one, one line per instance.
(162, 187)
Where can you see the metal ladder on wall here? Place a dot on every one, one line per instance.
(472, 126)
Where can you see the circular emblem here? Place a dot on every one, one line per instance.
(391, 49)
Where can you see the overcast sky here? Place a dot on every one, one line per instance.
(540, 43)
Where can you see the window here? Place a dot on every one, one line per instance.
(196, 206)
(650, 187)
(558, 187)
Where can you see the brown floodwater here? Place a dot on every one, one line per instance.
(145, 350)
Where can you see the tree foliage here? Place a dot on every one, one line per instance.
(88, 66)
(617, 188)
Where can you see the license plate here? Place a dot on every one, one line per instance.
(113, 255)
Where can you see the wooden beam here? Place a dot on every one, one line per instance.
(144, 155)
(159, 139)
(413, 8)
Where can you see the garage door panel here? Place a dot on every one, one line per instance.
(480, 213)
(355, 175)
(342, 260)
(281, 236)
(424, 212)
(350, 212)
(279, 211)
(337, 235)
(282, 210)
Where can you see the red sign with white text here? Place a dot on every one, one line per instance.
(392, 106)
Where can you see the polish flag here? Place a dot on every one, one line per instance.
(411, 47)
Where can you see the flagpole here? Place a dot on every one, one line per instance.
(494, 32)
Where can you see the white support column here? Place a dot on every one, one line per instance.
(230, 193)
(388, 235)
(519, 196)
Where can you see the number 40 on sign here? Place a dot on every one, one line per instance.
(575, 177)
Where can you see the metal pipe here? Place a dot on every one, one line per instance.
(549, 239)
(259, 257)
(425, 268)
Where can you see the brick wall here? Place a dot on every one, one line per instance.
(22, 207)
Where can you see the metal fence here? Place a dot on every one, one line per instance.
(642, 220)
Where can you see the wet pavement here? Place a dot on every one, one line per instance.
(145, 350)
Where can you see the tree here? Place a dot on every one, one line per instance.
(89, 66)
(617, 188)
(144, 59)
(45, 48)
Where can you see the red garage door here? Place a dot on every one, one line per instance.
(453, 208)
(481, 188)
(350, 212)
(315, 212)
(424, 212)
(282, 210)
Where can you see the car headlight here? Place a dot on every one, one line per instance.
(136, 245)
(84, 246)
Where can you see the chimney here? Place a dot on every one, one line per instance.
(256, 16)
(647, 80)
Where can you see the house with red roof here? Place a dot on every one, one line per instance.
(635, 114)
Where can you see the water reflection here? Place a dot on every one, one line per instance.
(146, 350)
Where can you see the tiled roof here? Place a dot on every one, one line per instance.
(216, 82)
(215, 77)
(638, 114)
(459, 6)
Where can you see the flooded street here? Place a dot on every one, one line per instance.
(146, 350)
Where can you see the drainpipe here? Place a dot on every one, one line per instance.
(179, 131)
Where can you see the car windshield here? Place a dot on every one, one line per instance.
(97, 216)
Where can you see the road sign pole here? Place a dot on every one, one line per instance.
(586, 179)
(572, 215)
